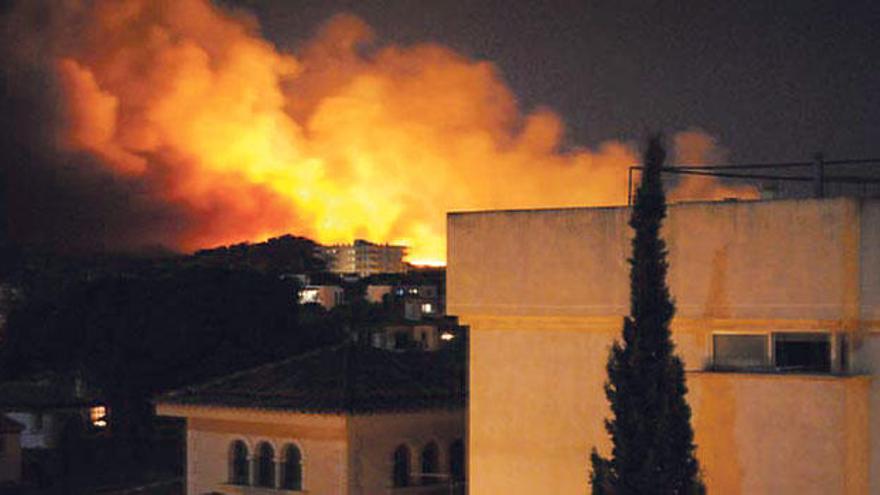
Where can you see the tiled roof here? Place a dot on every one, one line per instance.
(341, 379)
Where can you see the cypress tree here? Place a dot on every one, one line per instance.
(653, 448)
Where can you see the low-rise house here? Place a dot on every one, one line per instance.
(328, 296)
(424, 336)
(342, 420)
(45, 404)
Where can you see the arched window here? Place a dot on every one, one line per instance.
(265, 465)
(239, 474)
(456, 460)
(400, 475)
(291, 469)
(430, 464)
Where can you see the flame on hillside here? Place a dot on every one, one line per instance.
(346, 138)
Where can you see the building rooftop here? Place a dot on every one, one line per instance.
(49, 391)
(344, 379)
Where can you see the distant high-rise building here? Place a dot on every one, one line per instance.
(364, 258)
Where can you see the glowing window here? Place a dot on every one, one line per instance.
(427, 308)
(98, 416)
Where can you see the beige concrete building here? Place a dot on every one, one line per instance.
(364, 258)
(778, 323)
(337, 421)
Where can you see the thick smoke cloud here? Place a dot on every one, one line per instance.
(131, 123)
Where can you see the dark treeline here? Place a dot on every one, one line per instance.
(133, 327)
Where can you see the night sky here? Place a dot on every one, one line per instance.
(773, 81)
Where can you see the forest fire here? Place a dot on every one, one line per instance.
(345, 138)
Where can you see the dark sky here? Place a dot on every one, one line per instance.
(773, 80)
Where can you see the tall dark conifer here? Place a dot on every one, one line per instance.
(653, 448)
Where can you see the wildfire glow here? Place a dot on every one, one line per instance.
(345, 138)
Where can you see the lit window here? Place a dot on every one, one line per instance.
(98, 416)
(427, 308)
(309, 295)
(447, 336)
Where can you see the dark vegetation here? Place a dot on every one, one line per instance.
(134, 327)
(652, 439)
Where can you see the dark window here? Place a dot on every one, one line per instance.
(456, 460)
(742, 351)
(430, 466)
(400, 475)
(239, 473)
(265, 465)
(291, 470)
(802, 352)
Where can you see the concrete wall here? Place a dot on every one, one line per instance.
(374, 438)
(546, 302)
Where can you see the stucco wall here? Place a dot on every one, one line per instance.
(374, 438)
(727, 260)
(320, 438)
(544, 293)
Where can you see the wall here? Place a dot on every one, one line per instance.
(374, 438)
(43, 429)
(544, 306)
(210, 432)
(10, 457)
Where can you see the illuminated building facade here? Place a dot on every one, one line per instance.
(777, 322)
(364, 258)
(347, 420)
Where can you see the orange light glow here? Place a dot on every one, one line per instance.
(334, 141)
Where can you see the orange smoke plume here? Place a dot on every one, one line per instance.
(345, 138)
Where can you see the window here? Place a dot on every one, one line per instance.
(265, 465)
(740, 351)
(291, 469)
(427, 308)
(809, 352)
(239, 474)
(430, 468)
(97, 416)
(400, 473)
(806, 352)
(456, 460)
